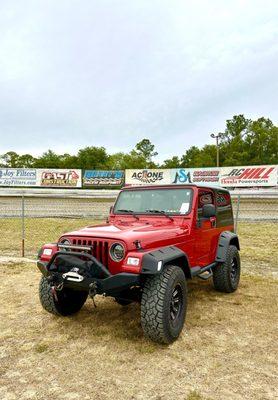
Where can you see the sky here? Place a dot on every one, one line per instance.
(76, 73)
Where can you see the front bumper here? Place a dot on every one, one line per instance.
(97, 277)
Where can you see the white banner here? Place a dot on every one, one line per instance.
(195, 175)
(260, 175)
(18, 177)
(148, 176)
(248, 176)
(59, 178)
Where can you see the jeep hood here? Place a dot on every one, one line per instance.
(130, 231)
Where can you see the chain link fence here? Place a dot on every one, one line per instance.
(27, 222)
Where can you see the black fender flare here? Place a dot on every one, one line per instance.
(226, 239)
(155, 261)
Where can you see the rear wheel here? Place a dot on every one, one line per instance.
(226, 275)
(163, 305)
(64, 302)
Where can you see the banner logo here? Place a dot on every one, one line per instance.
(59, 178)
(182, 176)
(103, 178)
(18, 177)
(148, 176)
(247, 176)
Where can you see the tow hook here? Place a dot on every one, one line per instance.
(59, 287)
(55, 289)
(93, 291)
(54, 293)
(56, 285)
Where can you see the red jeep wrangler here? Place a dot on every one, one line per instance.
(155, 238)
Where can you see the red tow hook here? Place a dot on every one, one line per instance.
(54, 293)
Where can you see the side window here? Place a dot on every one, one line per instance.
(204, 197)
(222, 200)
(224, 209)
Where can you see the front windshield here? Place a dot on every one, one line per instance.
(170, 201)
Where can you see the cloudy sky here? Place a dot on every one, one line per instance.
(108, 73)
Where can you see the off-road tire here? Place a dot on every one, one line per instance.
(122, 302)
(226, 275)
(69, 301)
(157, 305)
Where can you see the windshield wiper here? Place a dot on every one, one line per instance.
(128, 212)
(161, 212)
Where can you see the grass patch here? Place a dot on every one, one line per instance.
(229, 340)
(38, 231)
(41, 348)
(258, 242)
(194, 396)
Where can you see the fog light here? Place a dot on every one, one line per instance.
(47, 252)
(133, 261)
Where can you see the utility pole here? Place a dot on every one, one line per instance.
(217, 146)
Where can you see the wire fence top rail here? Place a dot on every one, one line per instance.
(63, 193)
(112, 193)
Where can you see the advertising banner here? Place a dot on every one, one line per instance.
(195, 175)
(247, 176)
(206, 175)
(261, 175)
(59, 178)
(18, 177)
(148, 176)
(103, 178)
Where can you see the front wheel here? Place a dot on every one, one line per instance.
(226, 275)
(163, 305)
(66, 301)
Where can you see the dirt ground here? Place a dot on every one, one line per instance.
(227, 350)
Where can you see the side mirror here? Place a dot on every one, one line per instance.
(209, 210)
(111, 210)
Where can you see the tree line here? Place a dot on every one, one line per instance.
(243, 142)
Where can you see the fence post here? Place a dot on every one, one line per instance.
(22, 226)
(237, 212)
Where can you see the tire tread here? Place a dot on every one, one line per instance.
(46, 297)
(152, 304)
(221, 273)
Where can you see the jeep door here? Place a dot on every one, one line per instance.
(206, 231)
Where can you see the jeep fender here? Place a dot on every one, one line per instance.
(154, 262)
(226, 239)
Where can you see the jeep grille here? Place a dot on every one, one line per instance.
(100, 248)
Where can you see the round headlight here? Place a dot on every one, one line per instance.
(117, 252)
(65, 242)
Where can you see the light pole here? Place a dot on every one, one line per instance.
(217, 146)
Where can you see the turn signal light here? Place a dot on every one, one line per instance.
(133, 261)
